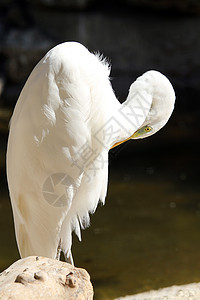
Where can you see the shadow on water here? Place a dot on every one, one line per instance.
(147, 234)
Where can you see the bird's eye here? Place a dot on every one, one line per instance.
(147, 129)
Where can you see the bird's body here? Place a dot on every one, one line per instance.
(65, 121)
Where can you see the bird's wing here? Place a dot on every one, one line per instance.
(49, 161)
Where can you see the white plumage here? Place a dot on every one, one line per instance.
(64, 123)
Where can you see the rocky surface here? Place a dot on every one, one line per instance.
(182, 292)
(43, 278)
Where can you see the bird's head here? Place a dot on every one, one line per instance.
(162, 104)
(160, 93)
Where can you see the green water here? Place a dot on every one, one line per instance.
(147, 234)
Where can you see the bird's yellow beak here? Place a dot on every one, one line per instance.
(117, 144)
(141, 131)
(135, 134)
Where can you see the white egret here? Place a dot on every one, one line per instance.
(64, 123)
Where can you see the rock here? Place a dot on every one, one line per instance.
(44, 278)
(181, 292)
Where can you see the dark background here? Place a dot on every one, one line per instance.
(136, 35)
